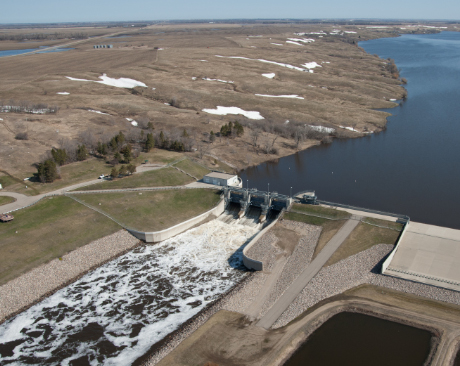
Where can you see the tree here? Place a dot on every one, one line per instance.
(162, 139)
(255, 137)
(238, 129)
(127, 155)
(150, 126)
(185, 133)
(101, 148)
(123, 171)
(212, 137)
(82, 153)
(59, 156)
(131, 168)
(47, 171)
(150, 142)
(114, 172)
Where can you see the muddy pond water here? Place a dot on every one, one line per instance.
(362, 340)
(412, 167)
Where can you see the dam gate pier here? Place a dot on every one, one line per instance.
(263, 206)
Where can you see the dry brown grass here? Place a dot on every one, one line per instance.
(344, 92)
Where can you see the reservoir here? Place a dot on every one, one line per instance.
(19, 52)
(413, 166)
(362, 340)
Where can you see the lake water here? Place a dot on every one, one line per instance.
(19, 52)
(413, 166)
(362, 340)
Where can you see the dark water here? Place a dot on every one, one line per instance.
(413, 167)
(361, 340)
(19, 52)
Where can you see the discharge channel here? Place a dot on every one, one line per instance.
(114, 314)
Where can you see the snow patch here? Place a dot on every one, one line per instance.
(220, 110)
(311, 65)
(219, 80)
(322, 128)
(350, 32)
(92, 110)
(296, 43)
(63, 93)
(294, 96)
(269, 75)
(268, 62)
(349, 129)
(303, 40)
(133, 122)
(277, 44)
(118, 83)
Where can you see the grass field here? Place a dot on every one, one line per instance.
(153, 178)
(363, 237)
(47, 230)
(192, 168)
(330, 227)
(322, 211)
(4, 200)
(154, 210)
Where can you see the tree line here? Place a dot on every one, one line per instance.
(24, 106)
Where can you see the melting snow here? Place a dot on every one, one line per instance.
(270, 62)
(294, 96)
(277, 44)
(62, 93)
(304, 40)
(118, 83)
(133, 122)
(220, 110)
(322, 128)
(92, 110)
(222, 81)
(349, 32)
(292, 42)
(349, 128)
(270, 75)
(311, 65)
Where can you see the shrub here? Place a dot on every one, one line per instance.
(22, 136)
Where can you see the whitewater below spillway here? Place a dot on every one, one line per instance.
(114, 314)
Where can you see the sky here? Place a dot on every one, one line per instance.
(47, 11)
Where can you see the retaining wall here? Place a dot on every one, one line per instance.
(390, 257)
(157, 236)
(253, 263)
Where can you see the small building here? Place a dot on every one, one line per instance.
(222, 179)
(103, 46)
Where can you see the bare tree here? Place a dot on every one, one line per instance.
(255, 133)
(269, 145)
(88, 139)
(299, 136)
(202, 148)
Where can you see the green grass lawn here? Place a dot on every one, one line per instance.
(322, 211)
(192, 168)
(363, 237)
(329, 227)
(47, 230)
(154, 210)
(4, 200)
(158, 156)
(164, 177)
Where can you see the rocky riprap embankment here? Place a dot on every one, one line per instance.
(31, 287)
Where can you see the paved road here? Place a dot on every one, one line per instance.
(305, 277)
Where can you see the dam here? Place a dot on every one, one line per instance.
(254, 205)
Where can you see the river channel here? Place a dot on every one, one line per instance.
(413, 166)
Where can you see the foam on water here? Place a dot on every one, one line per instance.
(114, 314)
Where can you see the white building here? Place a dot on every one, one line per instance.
(222, 179)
